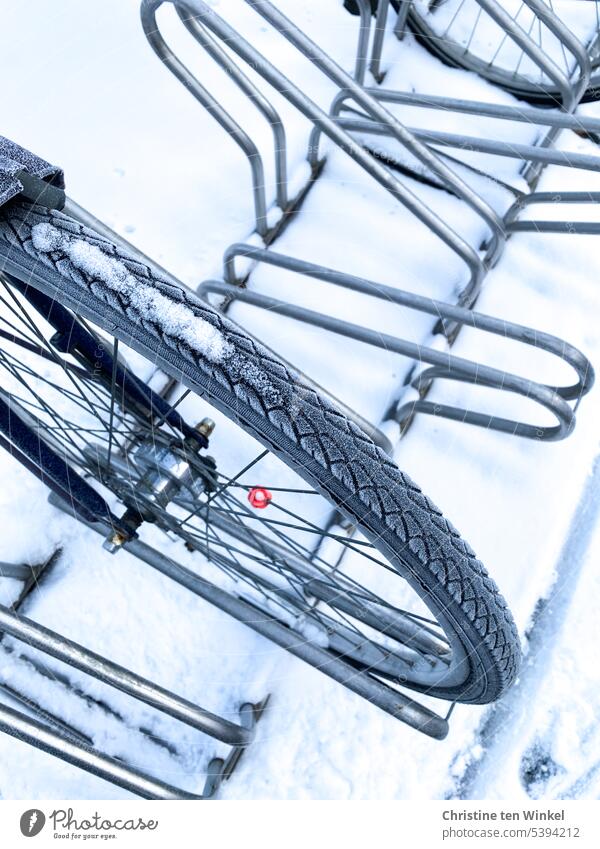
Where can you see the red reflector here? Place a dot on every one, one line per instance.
(259, 497)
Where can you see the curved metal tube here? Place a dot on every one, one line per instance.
(381, 174)
(559, 29)
(268, 111)
(566, 227)
(514, 30)
(203, 96)
(448, 365)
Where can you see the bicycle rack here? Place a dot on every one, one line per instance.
(204, 15)
(268, 223)
(443, 365)
(571, 85)
(450, 317)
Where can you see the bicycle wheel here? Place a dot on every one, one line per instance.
(390, 586)
(463, 35)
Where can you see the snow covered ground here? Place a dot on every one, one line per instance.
(140, 154)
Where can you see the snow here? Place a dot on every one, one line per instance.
(159, 170)
(175, 319)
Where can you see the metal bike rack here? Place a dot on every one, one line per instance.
(38, 726)
(544, 21)
(287, 205)
(373, 118)
(442, 365)
(205, 15)
(571, 87)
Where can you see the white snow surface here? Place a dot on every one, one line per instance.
(140, 154)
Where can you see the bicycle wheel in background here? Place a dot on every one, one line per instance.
(390, 587)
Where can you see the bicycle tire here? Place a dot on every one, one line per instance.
(267, 399)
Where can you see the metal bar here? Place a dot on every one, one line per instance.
(45, 716)
(573, 228)
(364, 34)
(448, 366)
(324, 62)
(500, 327)
(526, 152)
(377, 49)
(254, 94)
(388, 699)
(219, 769)
(525, 114)
(345, 141)
(18, 571)
(122, 679)
(42, 737)
(400, 25)
(212, 105)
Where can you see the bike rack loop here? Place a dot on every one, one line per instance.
(51, 734)
(569, 92)
(200, 10)
(225, 120)
(556, 120)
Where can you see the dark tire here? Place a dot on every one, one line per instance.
(253, 388)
